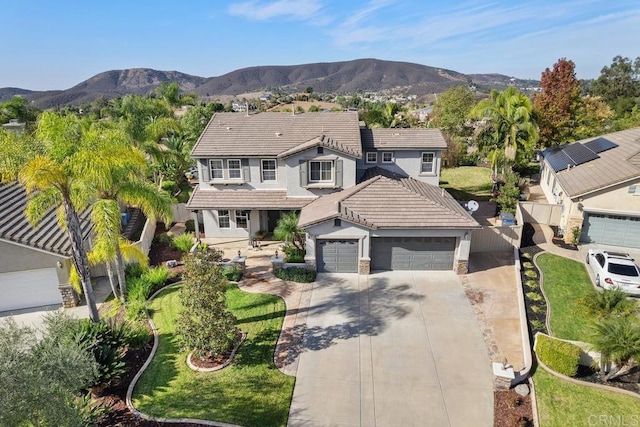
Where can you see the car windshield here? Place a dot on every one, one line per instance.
(623, 270)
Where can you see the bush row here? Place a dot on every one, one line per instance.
(296, 274)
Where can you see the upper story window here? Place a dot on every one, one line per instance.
(223, 219)
(269, 170)
(235, 169)
(387, 157)
(321, 171)
(216, 169)
(427, 165)
(372, 157)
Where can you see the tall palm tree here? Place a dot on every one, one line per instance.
(116, 176)
(51, 177)
(508, 131)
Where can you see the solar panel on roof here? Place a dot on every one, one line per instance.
(599, 145)
(579, 153)
(559, 161)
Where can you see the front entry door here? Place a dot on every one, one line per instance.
(272, 220)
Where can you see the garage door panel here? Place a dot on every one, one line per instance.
(30, 288)
(611, 230)
(413, 253)
(337, 256)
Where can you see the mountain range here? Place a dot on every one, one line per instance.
(359, 75)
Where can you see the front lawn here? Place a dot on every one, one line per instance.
(250, 392)
(561, 403)
(565, 282)
(467, 182)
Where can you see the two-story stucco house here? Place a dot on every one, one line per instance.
(369, 198)
(597, 183)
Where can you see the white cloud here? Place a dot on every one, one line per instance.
(264, 10)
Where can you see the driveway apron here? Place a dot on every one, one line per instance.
(392, 349)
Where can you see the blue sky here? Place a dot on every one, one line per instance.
(57, 44)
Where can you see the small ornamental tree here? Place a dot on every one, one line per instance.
(205, 325)
(509, 193)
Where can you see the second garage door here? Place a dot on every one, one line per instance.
(611, 230)
(412, 253)
(337, 256)
(30, 288)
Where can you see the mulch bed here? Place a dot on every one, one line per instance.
(511, 410)
(219, 360)
(627, 382)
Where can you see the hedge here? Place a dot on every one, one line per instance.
(296, 274)
(561, 356)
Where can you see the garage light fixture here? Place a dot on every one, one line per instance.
(59, 264)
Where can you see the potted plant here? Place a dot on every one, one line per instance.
(261, 234)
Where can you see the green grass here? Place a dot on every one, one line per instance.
(561, 403)
(467, 182)
(249, 392)
(565, 282)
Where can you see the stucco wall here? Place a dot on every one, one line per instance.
(616, 199)
(19, 258)
(211, 229)
(406, 162)
(346, 230)
(293, 172)
(255, 170)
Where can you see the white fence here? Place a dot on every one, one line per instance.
(498, 238)
(180, 212)
(541, 213)
(149, 230)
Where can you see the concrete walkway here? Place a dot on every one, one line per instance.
(491, 287)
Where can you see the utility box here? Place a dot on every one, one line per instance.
(507, 219)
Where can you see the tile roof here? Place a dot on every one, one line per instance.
(383, 202)
(614, 166)
(47, 236)
(245, 199)
(397, 139)
(321, 141)
(270, 134)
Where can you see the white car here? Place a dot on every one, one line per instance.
(615, 270)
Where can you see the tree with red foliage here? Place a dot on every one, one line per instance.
(556, 105)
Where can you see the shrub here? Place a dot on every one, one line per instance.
(232, 274)
(296, 274)
(136, 334)
(527, 265)
(190, 226)
(534, 296)
(136, 310)
(169, 186)
(600, 305)
(531, 273)
(163, 239)
(293, 254)
(205, 325)
(133, 270)
(561, 356)
(532, 284)
(538, 325)
(183, 242)
(156, 276)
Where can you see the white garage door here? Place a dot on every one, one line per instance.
(30, 288)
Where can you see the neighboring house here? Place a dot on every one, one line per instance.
(597, 183)
(369, 197)
(14, 125)
(34, 262)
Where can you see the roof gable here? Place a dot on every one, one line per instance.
(383, 202)
(321, 141)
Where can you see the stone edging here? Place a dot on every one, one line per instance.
(547, 319)
(146, 365)
(224, 365)
(586, 383)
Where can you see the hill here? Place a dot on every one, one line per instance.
(334, 77)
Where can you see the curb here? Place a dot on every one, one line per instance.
(132, 385)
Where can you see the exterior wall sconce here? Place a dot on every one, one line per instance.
(59, 264)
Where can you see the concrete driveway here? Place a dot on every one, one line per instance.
(392, 349)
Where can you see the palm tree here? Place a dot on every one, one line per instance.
(607, 303)
(618, 340)
(288, 230)
(51, 178)
(116, 172)
(507, 131)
